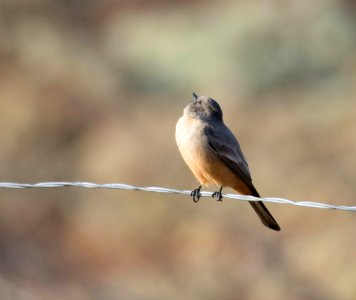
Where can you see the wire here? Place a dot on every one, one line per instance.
(91, 185)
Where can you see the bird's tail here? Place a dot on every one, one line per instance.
(262, 211)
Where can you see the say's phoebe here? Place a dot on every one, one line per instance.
(214, 155)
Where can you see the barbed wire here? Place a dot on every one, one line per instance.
(91, 185)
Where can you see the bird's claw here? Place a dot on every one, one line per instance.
(218, 194)
(196, 194)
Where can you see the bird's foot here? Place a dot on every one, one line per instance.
(218, 194)
(196, 194)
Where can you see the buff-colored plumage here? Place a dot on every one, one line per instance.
(213, 153)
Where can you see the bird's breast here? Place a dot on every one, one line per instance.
(190, 137)
(194, 146)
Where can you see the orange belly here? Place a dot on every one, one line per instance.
(203, 161)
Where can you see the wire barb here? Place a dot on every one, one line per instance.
(91, 185)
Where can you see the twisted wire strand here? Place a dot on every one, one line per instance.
(91, 185)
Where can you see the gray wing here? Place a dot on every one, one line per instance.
(224, 143)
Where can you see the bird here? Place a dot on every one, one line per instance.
(214, 155)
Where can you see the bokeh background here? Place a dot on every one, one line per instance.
(91, 91)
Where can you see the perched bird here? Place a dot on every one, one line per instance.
(213, 154)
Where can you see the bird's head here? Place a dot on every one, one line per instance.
(203, 107)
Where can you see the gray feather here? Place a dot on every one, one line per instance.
(224, 143)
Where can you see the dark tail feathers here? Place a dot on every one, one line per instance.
(262, 212)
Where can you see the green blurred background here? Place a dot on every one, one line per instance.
(91, 91)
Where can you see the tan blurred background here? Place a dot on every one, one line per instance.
(91, 91)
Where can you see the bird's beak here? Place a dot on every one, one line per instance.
(195, 96)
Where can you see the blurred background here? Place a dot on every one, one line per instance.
(92, 90)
